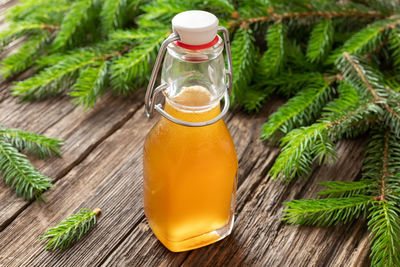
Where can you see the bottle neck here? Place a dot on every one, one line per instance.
(193, 104)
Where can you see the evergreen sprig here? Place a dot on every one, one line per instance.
(337, 62)
(15, 168)
(71, 230)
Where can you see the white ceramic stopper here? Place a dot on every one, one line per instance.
(195, 27)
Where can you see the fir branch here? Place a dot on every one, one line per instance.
(300, 110)
(320, 41)
(345, 189)
(298, 151)
(134, 66)
(20, 29)
(90, 84)
(135, 34)
(365, 40)
(35, 144)
(44, 11)
(310, 14)
(288, 83)
(70, 230)
(365, 78)
(112, 15)
(394, 43)
(253, 98)
(17, 171)
(77, 15)
(24, 57)
(54, 79)
(243, 60)
(384, 224)
(273, 58)
(361, 76)
(325, 212)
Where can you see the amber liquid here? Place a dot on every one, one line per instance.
(189, 176)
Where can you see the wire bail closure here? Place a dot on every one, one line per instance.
(151, 93)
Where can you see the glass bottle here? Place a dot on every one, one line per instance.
(190, 163)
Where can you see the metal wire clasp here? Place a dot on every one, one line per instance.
(151, 93)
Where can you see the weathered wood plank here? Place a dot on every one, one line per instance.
(57, 117)
(108, 178)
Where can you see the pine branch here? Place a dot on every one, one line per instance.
(394, 43)
(288, 83)
(54, 79)
(243, 60)
(384, 224)
(17, 171)
(300, 110)
(365, 40)
(362, 76)
(345, 189)
(35, 144)
(136, 34)
(310, 14)
(320, 41)
(77, 16)
(134, 66)
(325, 212)
(90, 84)
(273, 58)
(24, 57)
(70, 230)
(112, 15)
(298, 151)
(20, 29)
(43, 11)
(367, 79)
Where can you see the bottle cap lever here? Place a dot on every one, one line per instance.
(151, 93)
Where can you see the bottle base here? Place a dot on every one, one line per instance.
(201, 240)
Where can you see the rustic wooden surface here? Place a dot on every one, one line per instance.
(102, 167)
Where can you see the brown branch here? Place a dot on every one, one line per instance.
(327, 14)
(50, 28)
(339, 121)
(117, 53)
(362, 76)
(371, 89)
(385, 165)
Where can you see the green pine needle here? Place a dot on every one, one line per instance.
(300, 110)
(320, 41)
(394, 43)
(365, 40)
(325, 212)
(298, 151)
(134, 66)
(345, 189)
(112, 15)
(273, 58)
(384, 224)
(35, 144)
(24, 57)
(243, 60)
(77, 15)
(70, 230)
(90, 84)
(18, 172)
(54, 79)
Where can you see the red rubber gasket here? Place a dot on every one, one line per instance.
(198, 47)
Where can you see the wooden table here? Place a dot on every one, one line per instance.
(101, 167)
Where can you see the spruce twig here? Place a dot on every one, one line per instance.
(71, 230)
(15, 168)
